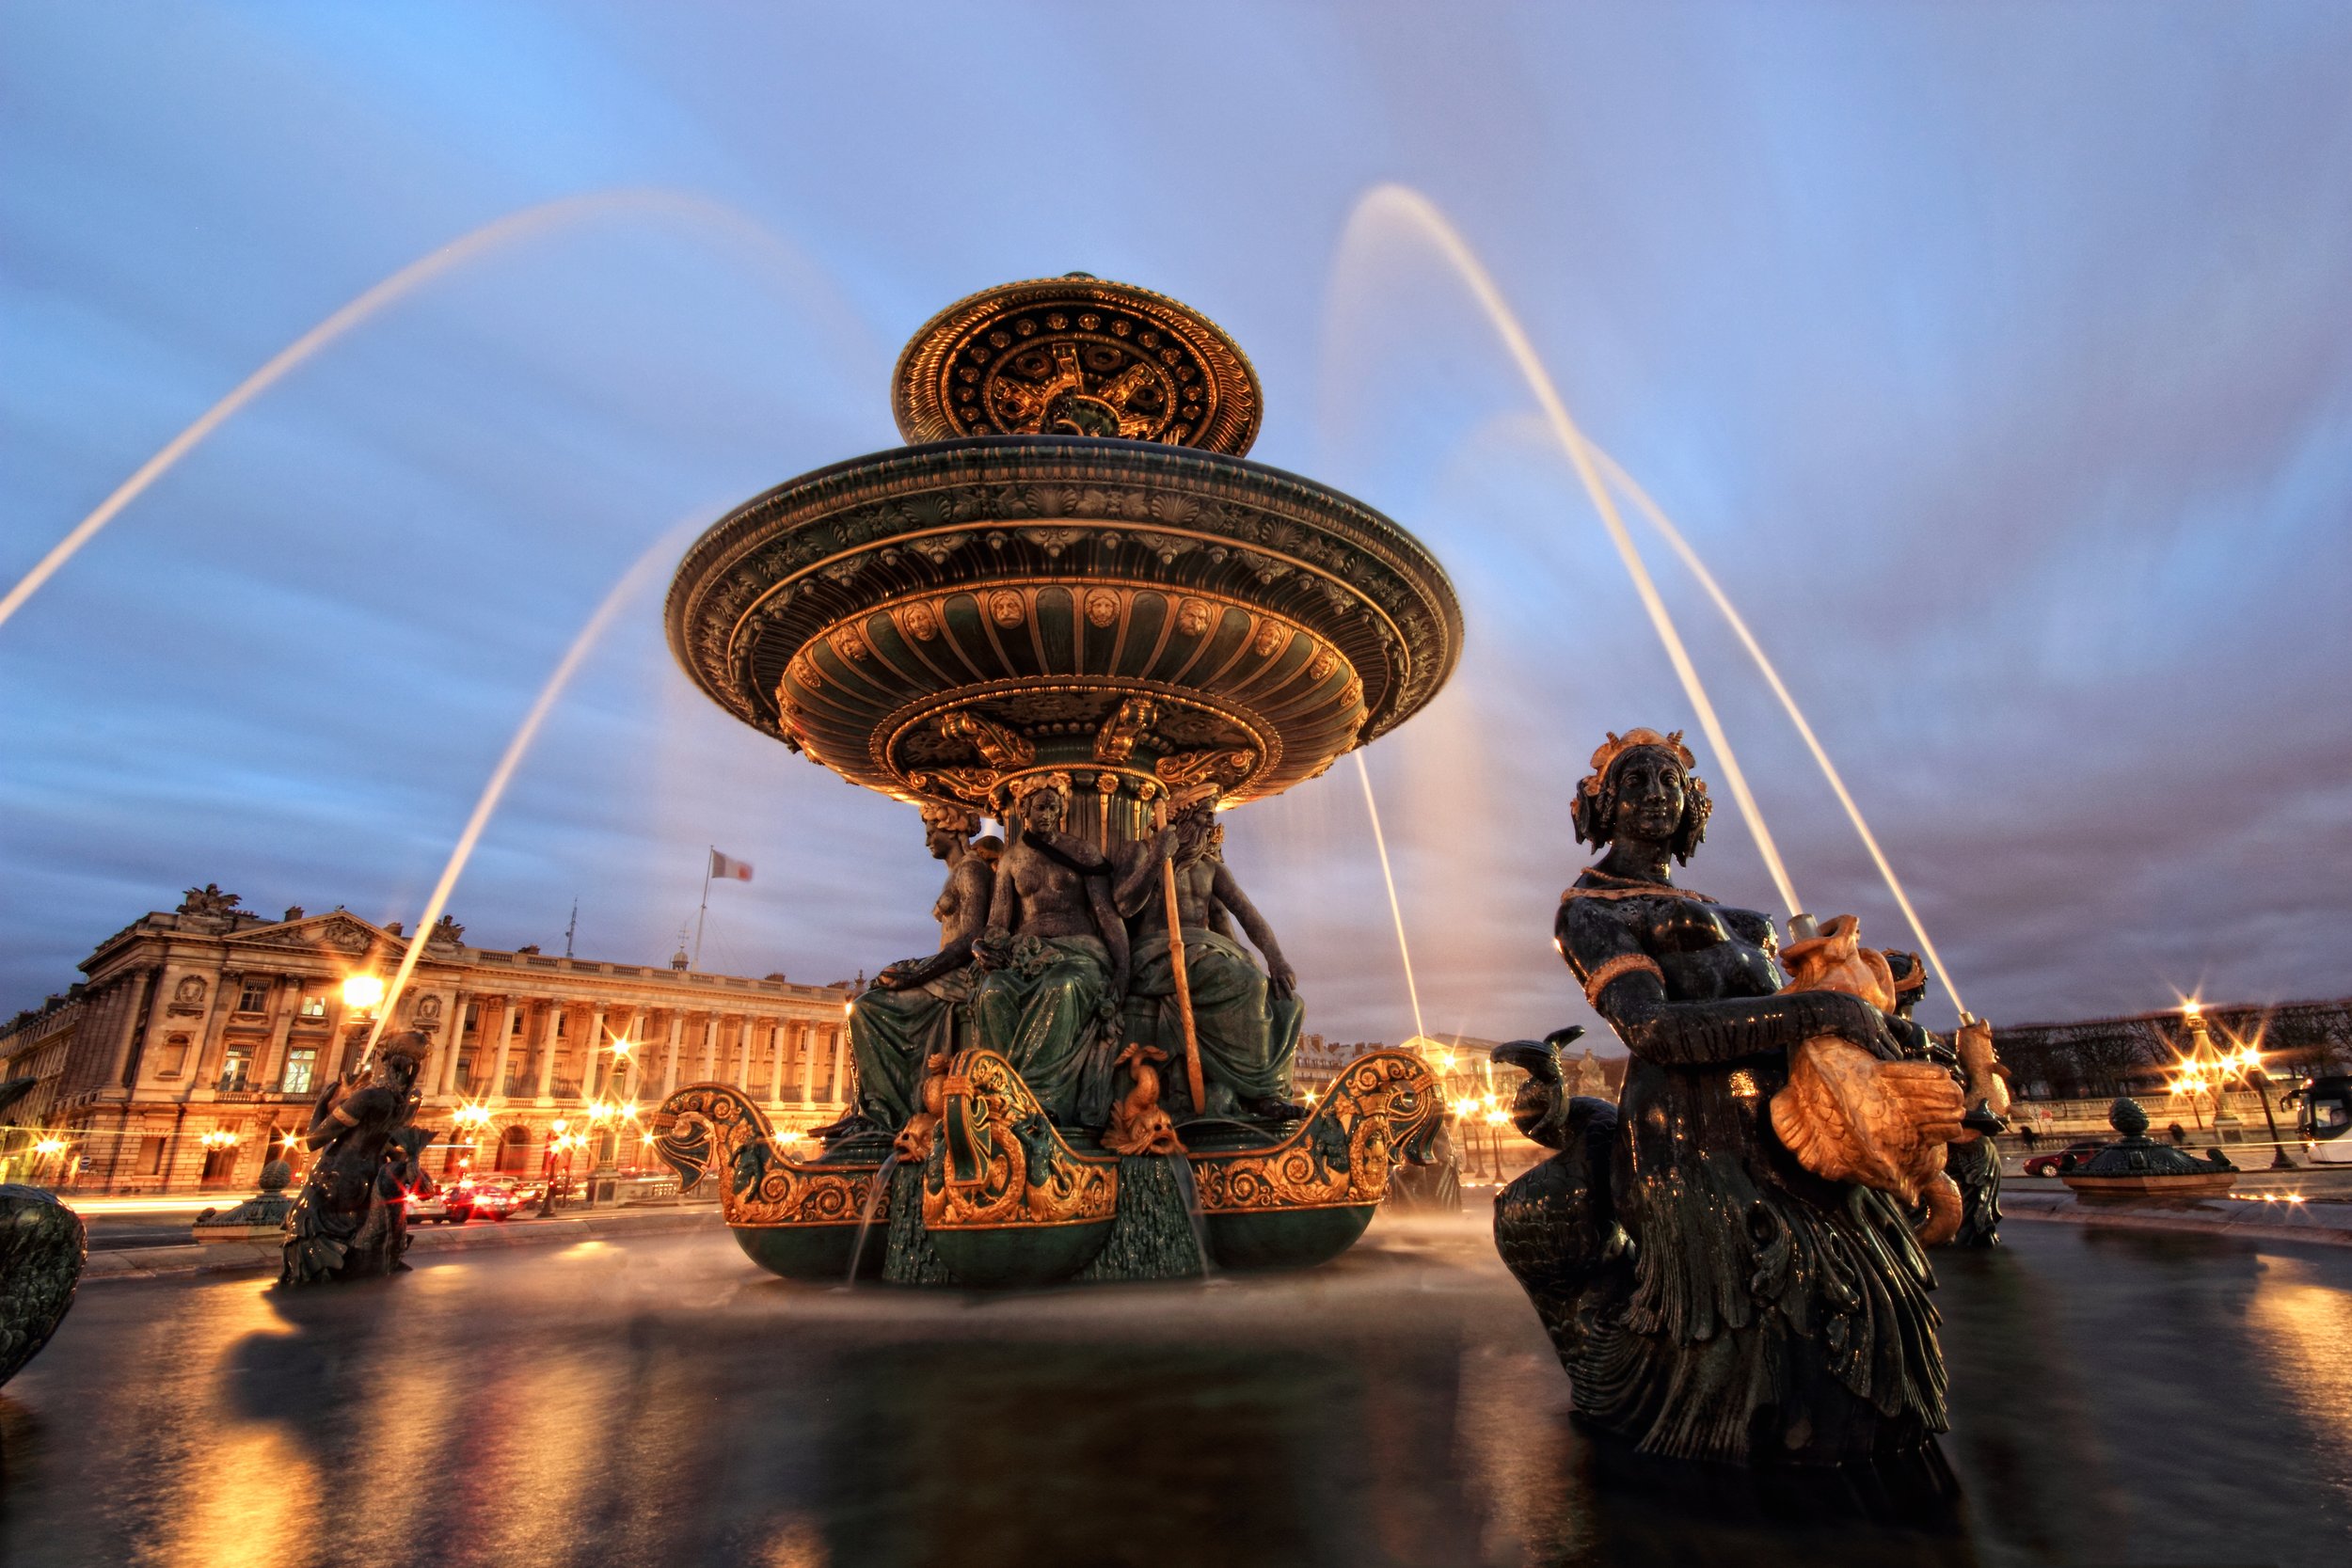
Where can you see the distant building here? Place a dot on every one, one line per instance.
(196, 1047)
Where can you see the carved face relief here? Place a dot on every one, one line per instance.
(1270, 638)
(191, 988)
(1101, 608)
(1192, 617)
(921, 624)
(1006, 608)
(1042, 811)
(1650, 796)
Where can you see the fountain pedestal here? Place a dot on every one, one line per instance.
(2136, 1168)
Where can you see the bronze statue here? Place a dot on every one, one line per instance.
(918, 1008)
(1710, 1297)
(351, 1221)
(1054, 956)
(1246, 1020)
(1971, 1160)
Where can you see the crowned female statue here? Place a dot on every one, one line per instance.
(918, 1008)
(1053, 959)
(1710, 1297)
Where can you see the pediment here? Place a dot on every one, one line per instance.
(337, 932)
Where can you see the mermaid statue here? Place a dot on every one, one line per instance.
(1711, 1296)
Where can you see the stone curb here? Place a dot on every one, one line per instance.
(2153, 1219)
(236, 1258)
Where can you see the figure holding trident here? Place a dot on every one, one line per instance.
(1237, 1024)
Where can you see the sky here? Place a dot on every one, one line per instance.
(1995, 356)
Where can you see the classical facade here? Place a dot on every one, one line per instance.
(195, 1049)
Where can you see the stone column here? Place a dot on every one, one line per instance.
(495, 1026)
(542, 1026)
(743, 1052)
(834, 1091)
(598, 1053)
(285, 1001)
(453, 1039)
(808, 1063)
(669, 1060)
(707, 1067)
(206, 1068)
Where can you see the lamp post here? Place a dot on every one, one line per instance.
(47, 1149)
(2245, 1065)
(362, 995)
(559, 1144)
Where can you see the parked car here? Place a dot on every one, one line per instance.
(449, 1204)
(2065, 1159)
(494, 1200)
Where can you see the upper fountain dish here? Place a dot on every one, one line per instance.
(1076, 356)
(1075, 572)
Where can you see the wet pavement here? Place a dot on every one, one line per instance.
(2118, 1398)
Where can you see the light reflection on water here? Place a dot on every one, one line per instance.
(2116, 1398)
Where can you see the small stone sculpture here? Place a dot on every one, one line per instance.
(351, 1221)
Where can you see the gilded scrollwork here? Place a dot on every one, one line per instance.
(996, 1161)
(710, 1129)
(1382, 1106)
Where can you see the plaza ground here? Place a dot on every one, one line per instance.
(651, 1397)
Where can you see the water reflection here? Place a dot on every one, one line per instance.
(2115, 1400)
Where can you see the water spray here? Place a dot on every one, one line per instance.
(1395, 910)
(1418, 210)
(645, 568)
(514, 228)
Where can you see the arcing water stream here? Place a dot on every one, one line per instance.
(1399, 204)
(529, 223)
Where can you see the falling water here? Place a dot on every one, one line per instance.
(1681, 547)
(1179, 1171)
(1587, 458)
(512, 229)
(874, 1192)
(646, 568)
(1417, 210)
(1396, 911)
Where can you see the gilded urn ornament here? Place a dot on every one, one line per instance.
(1073, 606)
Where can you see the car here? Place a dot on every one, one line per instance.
(451, 1205)
(2064, 1160)
(495, 1200)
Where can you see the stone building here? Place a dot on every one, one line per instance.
(196, 1047)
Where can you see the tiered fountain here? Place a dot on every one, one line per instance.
(1070, 586)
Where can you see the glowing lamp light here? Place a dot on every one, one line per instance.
(363, 994)
(50, 1146)
(558, 1125)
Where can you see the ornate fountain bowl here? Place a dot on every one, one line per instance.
(935, 621)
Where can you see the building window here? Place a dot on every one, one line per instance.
(473, 1015)
(301, 1063)
(561, 1018)
(254, 997)
(151, 1156)
(234, 1067)
(313, 1005)
(174, 1056)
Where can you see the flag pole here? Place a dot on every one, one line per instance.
(710, 855)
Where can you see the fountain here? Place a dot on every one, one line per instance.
(1073, 606)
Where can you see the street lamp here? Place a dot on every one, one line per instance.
(47, 1149)
(362, 995)
(2247, 1066)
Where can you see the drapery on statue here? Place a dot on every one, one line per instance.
(1053, 958)
(918, 1008)
(1709, 1296)
(351, 1221)
(1245, 1019)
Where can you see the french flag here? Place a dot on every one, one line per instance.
(726, 868)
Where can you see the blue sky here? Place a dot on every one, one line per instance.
(1997, 355)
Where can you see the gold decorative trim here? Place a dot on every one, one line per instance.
(1618, 968)
(1078, 356)
(997, 1163)
(1381, 1103)
(713, 1130)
